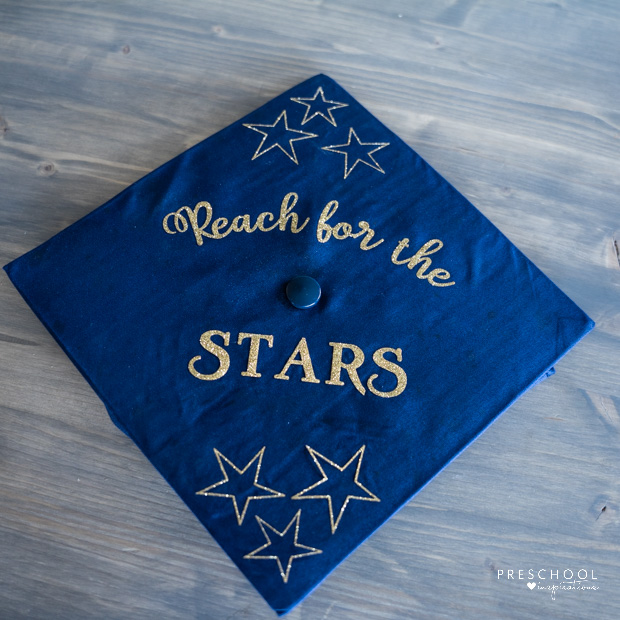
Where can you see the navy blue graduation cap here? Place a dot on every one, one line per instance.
(299, 322)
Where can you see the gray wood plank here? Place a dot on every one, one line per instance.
(515, 103)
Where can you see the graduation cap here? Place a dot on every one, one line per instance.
(299, 322)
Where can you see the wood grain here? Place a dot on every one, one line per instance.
(515, 102)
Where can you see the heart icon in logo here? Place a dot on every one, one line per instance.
(531, 585)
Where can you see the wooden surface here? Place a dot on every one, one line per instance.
(515, 102)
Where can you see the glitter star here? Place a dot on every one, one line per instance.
(280, 133)
(283, 545)
(239, 483)
(357, 150)
(321, 107)
(343, 487)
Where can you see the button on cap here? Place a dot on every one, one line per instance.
(303, 292)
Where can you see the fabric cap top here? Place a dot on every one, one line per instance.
(292, 435)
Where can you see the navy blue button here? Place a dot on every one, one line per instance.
(303, 292)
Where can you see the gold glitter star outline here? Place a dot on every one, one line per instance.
(347, 171)
(335, 106)
(359, 455)
(253, 555)
(292, 155)
(240, 515)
